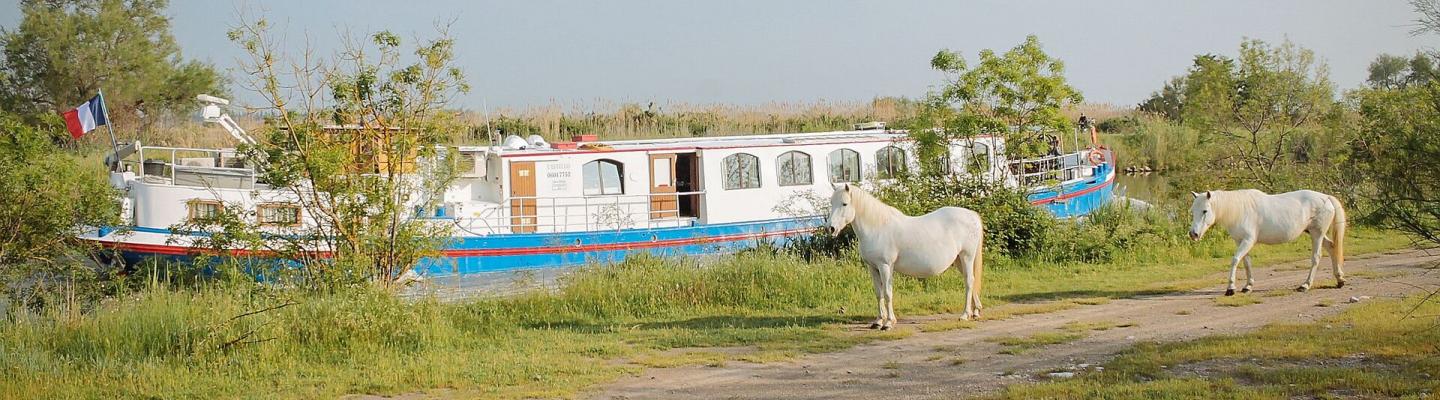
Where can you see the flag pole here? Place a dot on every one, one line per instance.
(114, 146)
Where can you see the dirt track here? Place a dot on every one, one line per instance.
(909, 368)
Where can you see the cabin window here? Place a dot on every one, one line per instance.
(278, 215)
(204, 210)
(979, 160)
(603, 177)
(889, 162)
(794, 169)
(844, 166)
(943, 164)
(742, 171)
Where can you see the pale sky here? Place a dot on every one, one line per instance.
(520, 53)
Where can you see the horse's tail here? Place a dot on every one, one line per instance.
(979, 267)
(1337, 232)
(979, 263)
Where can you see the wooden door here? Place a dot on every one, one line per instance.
(522, 196)
(662, 181)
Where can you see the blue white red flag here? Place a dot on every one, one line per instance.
(86, 117)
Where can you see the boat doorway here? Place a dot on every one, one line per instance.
(687, 173)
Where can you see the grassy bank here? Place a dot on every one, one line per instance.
(1383, 349)
(217, 342)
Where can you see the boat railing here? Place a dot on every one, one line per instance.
(1048, 170)
(185, 166)
(558, 214)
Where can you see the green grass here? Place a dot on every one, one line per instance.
(1018, 345)
(193, 343)
(1380, 349)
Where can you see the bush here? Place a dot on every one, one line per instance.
(47, 198)
(1014, 228)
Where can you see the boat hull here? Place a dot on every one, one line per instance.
(1080, 198)
(510, 252)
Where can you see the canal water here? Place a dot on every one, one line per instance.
(1152, 188)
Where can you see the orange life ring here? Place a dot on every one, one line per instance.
(1096, 157)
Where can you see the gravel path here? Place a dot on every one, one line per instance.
(910, 369)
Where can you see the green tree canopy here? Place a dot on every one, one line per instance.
(1259, 113)
(1396, 72)
(1018, 94)
(64, 51)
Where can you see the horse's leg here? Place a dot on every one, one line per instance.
(967, 267)
(1335, 262)
(1249, 276)
(1241, 250)
(887, 276)
(1317, 239)
(879, 296)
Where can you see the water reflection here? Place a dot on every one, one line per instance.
(1151, 188)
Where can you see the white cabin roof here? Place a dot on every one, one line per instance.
(716, 142)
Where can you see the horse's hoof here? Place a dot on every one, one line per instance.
(875, 325)
(1302, 289)
(884, 327)
(1245, 290)
(1339, 284)
(1229, 292)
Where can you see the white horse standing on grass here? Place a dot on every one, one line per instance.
(1251, 216)
(922, 246)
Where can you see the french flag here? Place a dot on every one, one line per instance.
(86, 117)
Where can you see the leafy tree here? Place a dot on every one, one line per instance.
(46, 199)
(1169, 102)
(1018, 94)
(1399, 138)
(1395, 72)
(361, 183)
(63, 51)
(1254, 110)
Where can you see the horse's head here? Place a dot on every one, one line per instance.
(842, 209)
(1202, 215)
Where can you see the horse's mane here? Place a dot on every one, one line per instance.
(870, 210)
(1230, 205)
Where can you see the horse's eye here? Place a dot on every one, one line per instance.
(1204, 211)
(844, 204)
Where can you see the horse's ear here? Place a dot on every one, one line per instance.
(847, 187)
(1194, 194)
(1208, 195)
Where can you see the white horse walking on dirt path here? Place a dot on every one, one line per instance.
(922, 246)
(1251, 216)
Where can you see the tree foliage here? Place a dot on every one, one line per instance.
(1396, 72)
(64, 51)
(46, 200)
(1168, 102)
(351, 140)
(1018, 94)
(1399, 135)
(1257, 118)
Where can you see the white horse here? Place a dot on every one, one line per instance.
(1251, 216)
(922, 246)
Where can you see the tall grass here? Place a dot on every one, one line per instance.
(613, 120)
(233, 339)
(618, 121)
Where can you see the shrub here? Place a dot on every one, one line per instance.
(46, 198)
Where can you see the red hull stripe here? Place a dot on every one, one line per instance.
(1072, 194)
(186, 251)
(618, 246)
